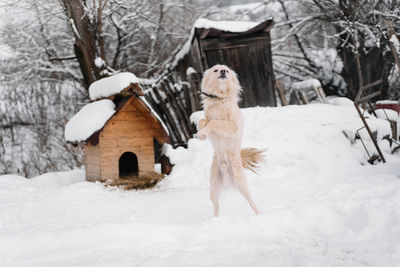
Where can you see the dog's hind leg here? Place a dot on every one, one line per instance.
(215, 186)
(245, 192)
(214, 194)
(240, 181)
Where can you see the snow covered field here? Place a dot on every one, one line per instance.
(321, 204)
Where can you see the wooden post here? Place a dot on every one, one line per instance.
(302, 97)
(194, 81)
(166, 166)
(357, 55)
(281, 92)
(186, 93)
(393, 125)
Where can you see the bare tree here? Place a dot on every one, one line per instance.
(363, 21)
(56, 49)
(140, 36)
(343, 21)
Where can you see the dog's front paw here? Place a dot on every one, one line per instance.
(202, 135)
(202, 124)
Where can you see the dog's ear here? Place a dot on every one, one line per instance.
(235, 81)
(206, 78)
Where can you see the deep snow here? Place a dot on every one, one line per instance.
(321, 204)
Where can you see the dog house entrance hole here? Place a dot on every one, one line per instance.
(128, 165)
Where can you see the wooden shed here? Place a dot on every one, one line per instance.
(127, 140)
(243, 46)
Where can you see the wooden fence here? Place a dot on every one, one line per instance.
(175, 100)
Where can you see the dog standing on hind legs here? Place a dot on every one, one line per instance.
(223, 125)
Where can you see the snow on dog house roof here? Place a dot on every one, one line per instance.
(243, 46)
(111, 85)
(121, 90)
(90, 119)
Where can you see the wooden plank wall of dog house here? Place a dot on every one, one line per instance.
(116, 142)
(140, 147)
(92, 162)
(251, 59)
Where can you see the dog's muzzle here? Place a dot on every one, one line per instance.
(222, 74)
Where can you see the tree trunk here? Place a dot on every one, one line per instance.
(85, 39)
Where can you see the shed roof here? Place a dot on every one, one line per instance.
(215, 29)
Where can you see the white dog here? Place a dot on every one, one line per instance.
(223, 125)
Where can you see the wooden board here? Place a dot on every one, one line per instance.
(92, 163)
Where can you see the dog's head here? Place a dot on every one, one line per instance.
(221, 81)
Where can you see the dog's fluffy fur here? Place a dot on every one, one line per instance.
(223, 125)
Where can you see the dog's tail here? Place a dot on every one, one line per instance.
(252, 157)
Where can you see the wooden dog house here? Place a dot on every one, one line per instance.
(122, 134)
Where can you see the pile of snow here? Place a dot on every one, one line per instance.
(190, 71)
(307, 84)
(387, 102)
(111, 85)
(319, 141)
(387, 114)
(99, 62)
(340, 101)
(224, 25)
(321, 205)
(91, 118)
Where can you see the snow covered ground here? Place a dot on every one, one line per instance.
(321, 203)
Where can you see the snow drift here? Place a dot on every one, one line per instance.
(321, 203)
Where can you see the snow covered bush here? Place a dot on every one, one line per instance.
(32, 128)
